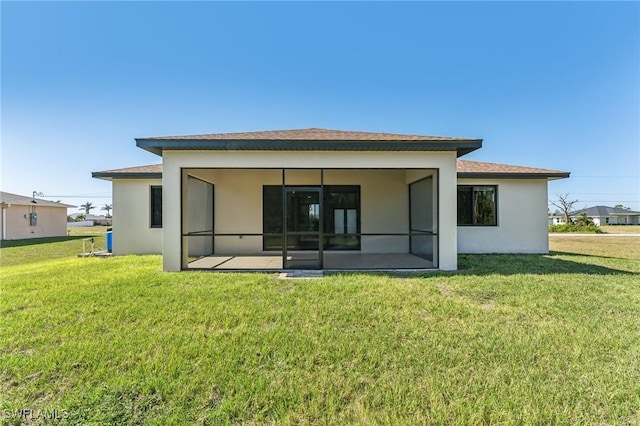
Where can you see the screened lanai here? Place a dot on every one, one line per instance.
(267, 219)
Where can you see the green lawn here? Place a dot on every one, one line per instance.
(20, 252)
(508, 340)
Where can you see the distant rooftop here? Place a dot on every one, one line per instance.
(604, 211)
(23, 200)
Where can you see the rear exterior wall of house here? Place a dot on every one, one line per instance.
(522, 219)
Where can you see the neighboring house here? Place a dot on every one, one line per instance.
(316, 198)
(89, 220)
(29, 217)
(556, 219)
(603, 215)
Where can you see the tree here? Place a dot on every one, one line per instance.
(80, 218)
(87, 207)
(620, 206)
(564, 205)
(108, 208)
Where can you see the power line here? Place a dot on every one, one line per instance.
(605, 193)
(77, 196)
(606, 177)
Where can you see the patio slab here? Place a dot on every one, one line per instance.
(337, 261)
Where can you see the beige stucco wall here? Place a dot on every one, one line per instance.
(385, 197)
(52, 222)
(132, 232)
(522, 219)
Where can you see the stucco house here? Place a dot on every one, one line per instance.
(30, 217)
(324, 199)
(604, 215)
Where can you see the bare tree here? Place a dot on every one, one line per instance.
(564, 205)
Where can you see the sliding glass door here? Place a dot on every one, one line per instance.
(303, 222)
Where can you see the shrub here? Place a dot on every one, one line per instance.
(573, 227)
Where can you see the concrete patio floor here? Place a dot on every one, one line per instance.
(339, 261)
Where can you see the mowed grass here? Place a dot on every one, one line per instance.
(604, 250)
(525, 339)
(621, 229)
(20, 252)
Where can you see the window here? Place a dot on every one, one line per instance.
(477, 205)
(156, 207)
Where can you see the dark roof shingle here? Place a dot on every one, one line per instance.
(603, 211)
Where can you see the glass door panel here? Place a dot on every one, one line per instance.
(302, 236)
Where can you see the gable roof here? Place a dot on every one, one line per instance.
(312, 139)
(22, 200)
(478, 169)
(604, 211)
(466, 169)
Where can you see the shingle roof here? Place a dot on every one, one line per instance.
(465, 169)
(603, 211)
(152, 171)
(310, 140)
(476, 169)
(311, 134)
(22, 200)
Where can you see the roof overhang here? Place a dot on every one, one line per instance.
(116, 175)
(157, 146)
(490, 175)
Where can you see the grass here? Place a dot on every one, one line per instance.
(523, 339)
(20, 252)
(621, 229)
(608, 249)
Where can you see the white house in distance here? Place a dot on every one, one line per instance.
(30, 217)
(89, 220)
(324, 199)
(603, 215)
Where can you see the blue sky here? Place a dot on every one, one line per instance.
(553, 85)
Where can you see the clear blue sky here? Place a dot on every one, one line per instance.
(554, 85)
